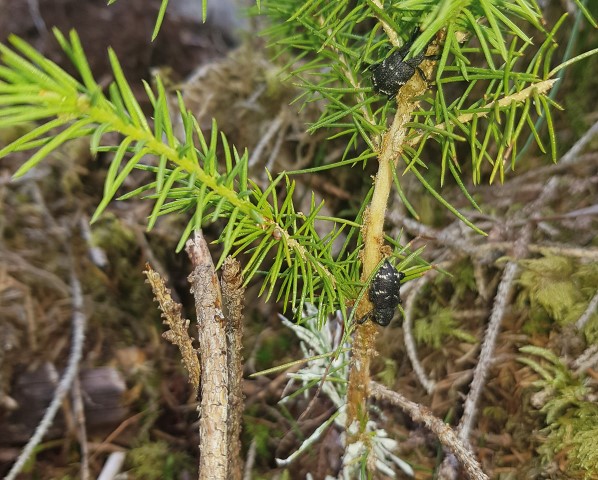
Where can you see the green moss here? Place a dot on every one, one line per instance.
(558, 289)
(155, 461)
(437, 326)
(254, 429)
(571, 415)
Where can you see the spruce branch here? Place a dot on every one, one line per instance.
(335, 74)
(518, 97)
(497, 118)
(190, 174)
(373, 239)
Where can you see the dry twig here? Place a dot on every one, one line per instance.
(232, 295)
(79, 321)
(581, 322)
(501, 303)
(213, 431)
(112, 466)
(572, 156)
(445, 433)
(428, 384)
(79, 413)
(178, 334)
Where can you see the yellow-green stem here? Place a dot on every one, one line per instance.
(373, 237)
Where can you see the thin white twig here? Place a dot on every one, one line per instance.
(586, 360)
(79, 322)
(273, 128)
(79, 414)
(250, 460)
(448, 469)
(276, 149)
(96, 254)
(581, 322)
(38, 20)
(573, 153)
(428, 384)
(501, 302)
(112, 466)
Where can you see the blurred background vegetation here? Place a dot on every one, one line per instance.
(538, 411)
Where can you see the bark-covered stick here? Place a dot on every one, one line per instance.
(213, 408)
(232, 296)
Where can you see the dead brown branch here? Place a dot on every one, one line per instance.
(178, 334)
(79, 321)
(213, 408)
(232, 295)
(445, 434)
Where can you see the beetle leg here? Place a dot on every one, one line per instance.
(366, 317)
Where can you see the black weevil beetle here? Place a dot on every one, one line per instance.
(384, 294)
(394, 71)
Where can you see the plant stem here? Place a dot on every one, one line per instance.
(373, 237)
(213, 433)
(233, 298)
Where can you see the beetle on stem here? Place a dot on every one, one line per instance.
(394, 71)
(384, 294)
